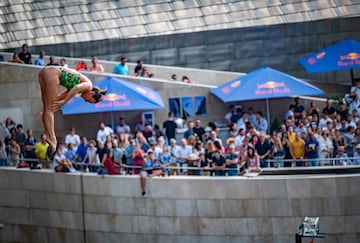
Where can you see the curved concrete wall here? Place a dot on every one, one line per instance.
(41, 206)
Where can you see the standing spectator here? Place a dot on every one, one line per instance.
(232, 160)
(199, 130)
(123, 127)
(182, 154)
(3, 154)
(326, 148)
(190, 130)
(95, 67)
(261, 123)
(312, 150)
(16, 59)
(170, 127)
(218, 160)
(30, 144)
(297, 150)
(231, 112)
(263, 149)
(121, 68)
(91, 157)
(103, 132)
(130, 151)
(329, 109)
(313, 110)
(102, 152)
(72, 138)
(40, 60)
(20, 138)
(278, 153)
(63, 63)
(52, 61)
(140, 125)
(148, 132)
(252, 160)
(41, 150)
(298, 109)
(158, 132)
(138, 67)
(14, 152)
(349, 138)
(25, 55)
(342, 111)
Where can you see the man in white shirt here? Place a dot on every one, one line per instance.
(123, 127)
(183, 152)
(103, 132)
(72, 138)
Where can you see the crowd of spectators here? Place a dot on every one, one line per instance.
(306, 137)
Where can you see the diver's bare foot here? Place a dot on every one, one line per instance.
(52, 145)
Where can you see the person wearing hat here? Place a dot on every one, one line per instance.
(356, 158)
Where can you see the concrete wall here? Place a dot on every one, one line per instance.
(40, 206)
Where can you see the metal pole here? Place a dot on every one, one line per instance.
(352, 76)
(268, 115)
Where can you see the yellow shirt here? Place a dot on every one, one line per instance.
(41, 150)
(298, 148)
(291, 136)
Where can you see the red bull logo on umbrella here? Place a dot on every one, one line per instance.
(115, 100)
(349, 59)
(271, 87)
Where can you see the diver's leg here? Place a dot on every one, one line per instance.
(49, 83)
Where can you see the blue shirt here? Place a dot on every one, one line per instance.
(121, 69)
(39, 61)
(81, 152)
(313, 145)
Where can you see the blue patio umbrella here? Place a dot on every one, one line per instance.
(264, 83)
(121, 96)
(344, 55)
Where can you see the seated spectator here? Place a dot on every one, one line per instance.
(342, 111)
(121, 68)
(173, 77)
(138, 67)
(148, 169)
(63, 63)
(52, 61)
(61, 163)
(341, 158)
(16, 59)
(110, 163)
(356, 159)
(349, 121)
(95, 67)
(144, 72)
(165, 159)
(40, 60)
(70, 153)
(82, 149)
(185, 79)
